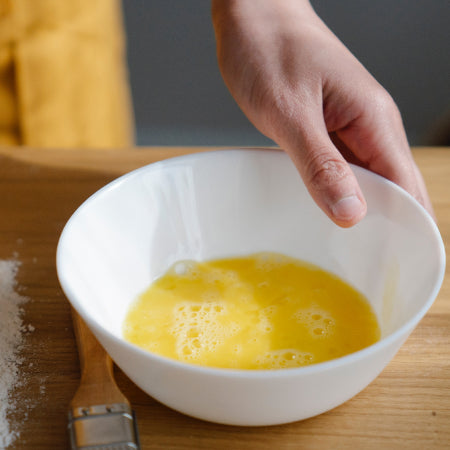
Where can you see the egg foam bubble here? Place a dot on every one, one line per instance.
(262, 311)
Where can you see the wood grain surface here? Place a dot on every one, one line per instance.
(406, 407)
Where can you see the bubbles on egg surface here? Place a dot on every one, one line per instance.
(185, 269)
(234, 328)
(237, 349)
(197, 330)
(263, 262)
(210, 295)
(231, 313)
(318, 321)
(264, 324)
(279, 259)
(181, 268)
(267, 261)
(231, 276)
(221, 277)
(192, 333)
(245, 297)
(270, 310)
(186, 351)
(153, 346)
(284, 358)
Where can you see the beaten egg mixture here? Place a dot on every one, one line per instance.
(262, 311)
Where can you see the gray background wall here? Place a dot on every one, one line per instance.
(180, 99)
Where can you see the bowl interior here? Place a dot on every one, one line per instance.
(238, 202)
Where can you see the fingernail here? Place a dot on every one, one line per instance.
(347, 208)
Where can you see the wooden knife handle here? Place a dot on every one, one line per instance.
(97, 386)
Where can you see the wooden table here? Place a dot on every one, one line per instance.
(406, 407)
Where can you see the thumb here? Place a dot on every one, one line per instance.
(327, 176)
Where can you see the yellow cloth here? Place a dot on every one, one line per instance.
(63, 76)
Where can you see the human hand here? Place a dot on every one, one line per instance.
(301, 87)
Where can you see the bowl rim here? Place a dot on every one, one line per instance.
(312, 369)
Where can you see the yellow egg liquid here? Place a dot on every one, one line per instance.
(263, 311)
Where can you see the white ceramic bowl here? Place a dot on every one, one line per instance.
(237, 202)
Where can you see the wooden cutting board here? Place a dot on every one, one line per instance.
(406, 407)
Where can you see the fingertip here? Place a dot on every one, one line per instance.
(330, 181)
(348, 210)
(335, 189)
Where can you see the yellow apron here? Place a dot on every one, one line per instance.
(63, 76)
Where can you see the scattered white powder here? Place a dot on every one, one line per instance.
(11, 341)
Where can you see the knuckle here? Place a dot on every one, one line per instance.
(324, 171)
(384, 104)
